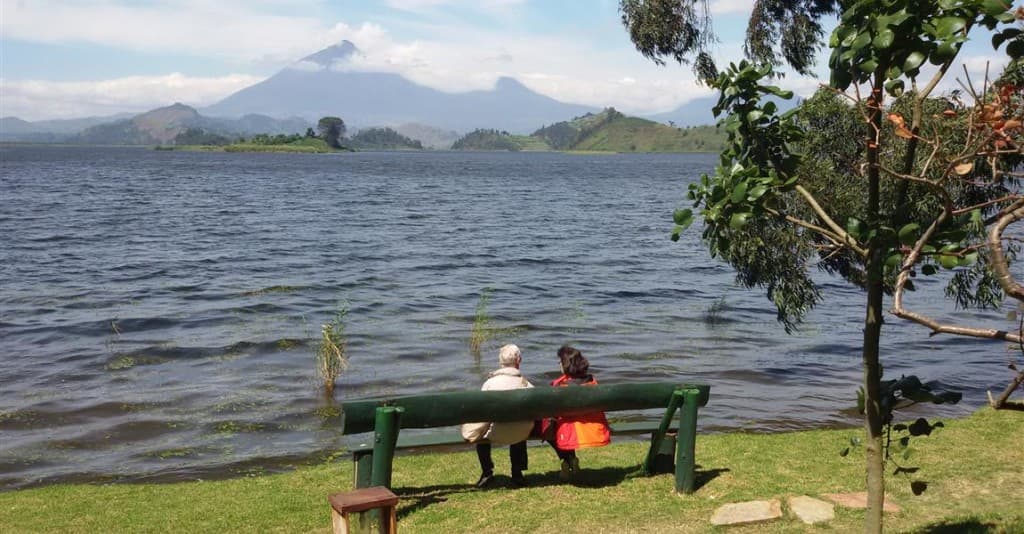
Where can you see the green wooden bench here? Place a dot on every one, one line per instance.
(385, 417)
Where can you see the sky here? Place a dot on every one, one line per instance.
(79, 58)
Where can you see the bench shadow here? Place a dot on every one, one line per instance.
(417, 498)
(967, 526)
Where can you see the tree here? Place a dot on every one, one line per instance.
(932, 186)
(682, 30)
(332, 130)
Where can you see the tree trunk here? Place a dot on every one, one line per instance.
(873, 328)
(1001, 401)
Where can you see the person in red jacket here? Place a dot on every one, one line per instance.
(566, 434)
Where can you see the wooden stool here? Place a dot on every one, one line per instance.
(361, 500)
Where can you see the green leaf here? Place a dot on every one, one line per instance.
(993, 8)
(947, 26)
(738, 220)
(908, 234)
(868, 66)
(757, 192)
(683, 217)
(893, 260)
(884, 39)
(969, 259)
(739, 193)
(1015, 49)
(944, 52)
(855, 227)
(675, 233)
(913, 61)
(895, 87)
(949, 261)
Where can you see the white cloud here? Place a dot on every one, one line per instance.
(731, 7)
(37, 99)
(226, 28)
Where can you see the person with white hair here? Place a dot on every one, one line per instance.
(515, 433)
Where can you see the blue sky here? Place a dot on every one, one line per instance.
(75, 58)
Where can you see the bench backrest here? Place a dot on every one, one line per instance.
(447, 409)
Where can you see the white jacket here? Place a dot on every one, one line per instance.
(501, 433)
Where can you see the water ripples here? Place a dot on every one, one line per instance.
(160, 311)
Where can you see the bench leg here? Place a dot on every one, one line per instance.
(686, 443)
(659, 435)
(385, 437)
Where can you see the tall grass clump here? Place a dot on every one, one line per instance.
(331, 355)
(713, 313)
(482, 330)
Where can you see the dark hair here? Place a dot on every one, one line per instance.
(573, 362)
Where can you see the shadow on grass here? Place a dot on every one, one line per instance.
(416, 499)
(972, 526)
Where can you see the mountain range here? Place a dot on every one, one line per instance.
(327, 83)
(323, 84)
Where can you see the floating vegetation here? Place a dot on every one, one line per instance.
(331, 356)
(289, 343)
(328, 412)
(127, 361)
(168, 454)
(271, 289)
(234, 427)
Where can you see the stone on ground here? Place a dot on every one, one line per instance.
(747, 512)
(859, 500)
(811, 510)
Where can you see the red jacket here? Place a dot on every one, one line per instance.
(581, 431)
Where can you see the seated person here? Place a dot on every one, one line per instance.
(505, 378)
(566, 434)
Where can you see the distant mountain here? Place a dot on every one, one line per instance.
(162, 125)
(430, 136)
(698, 112)
(607, 131)
(56, 130)
(324, 84)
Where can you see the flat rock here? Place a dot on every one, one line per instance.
(747, 512)
(858, 500)
(811, 510)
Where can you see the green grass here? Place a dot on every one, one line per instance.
(305, 145)
(973, 466)
(632, 134)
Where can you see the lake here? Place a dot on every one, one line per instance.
(160, 311)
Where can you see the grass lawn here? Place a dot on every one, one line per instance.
(974, 469)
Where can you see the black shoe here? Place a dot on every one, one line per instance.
(485, 480)
(519, 482)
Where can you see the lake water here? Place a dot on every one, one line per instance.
(160, 311)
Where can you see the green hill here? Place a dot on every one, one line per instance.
(607, 131)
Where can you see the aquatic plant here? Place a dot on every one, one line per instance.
(713, 313)
(482, 330)
(332, 355)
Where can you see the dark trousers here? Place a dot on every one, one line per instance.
(562, 455)
(516, 455)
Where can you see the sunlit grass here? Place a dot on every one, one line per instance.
(973, 467)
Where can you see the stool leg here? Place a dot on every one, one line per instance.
(339, 522)
(391, 525)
